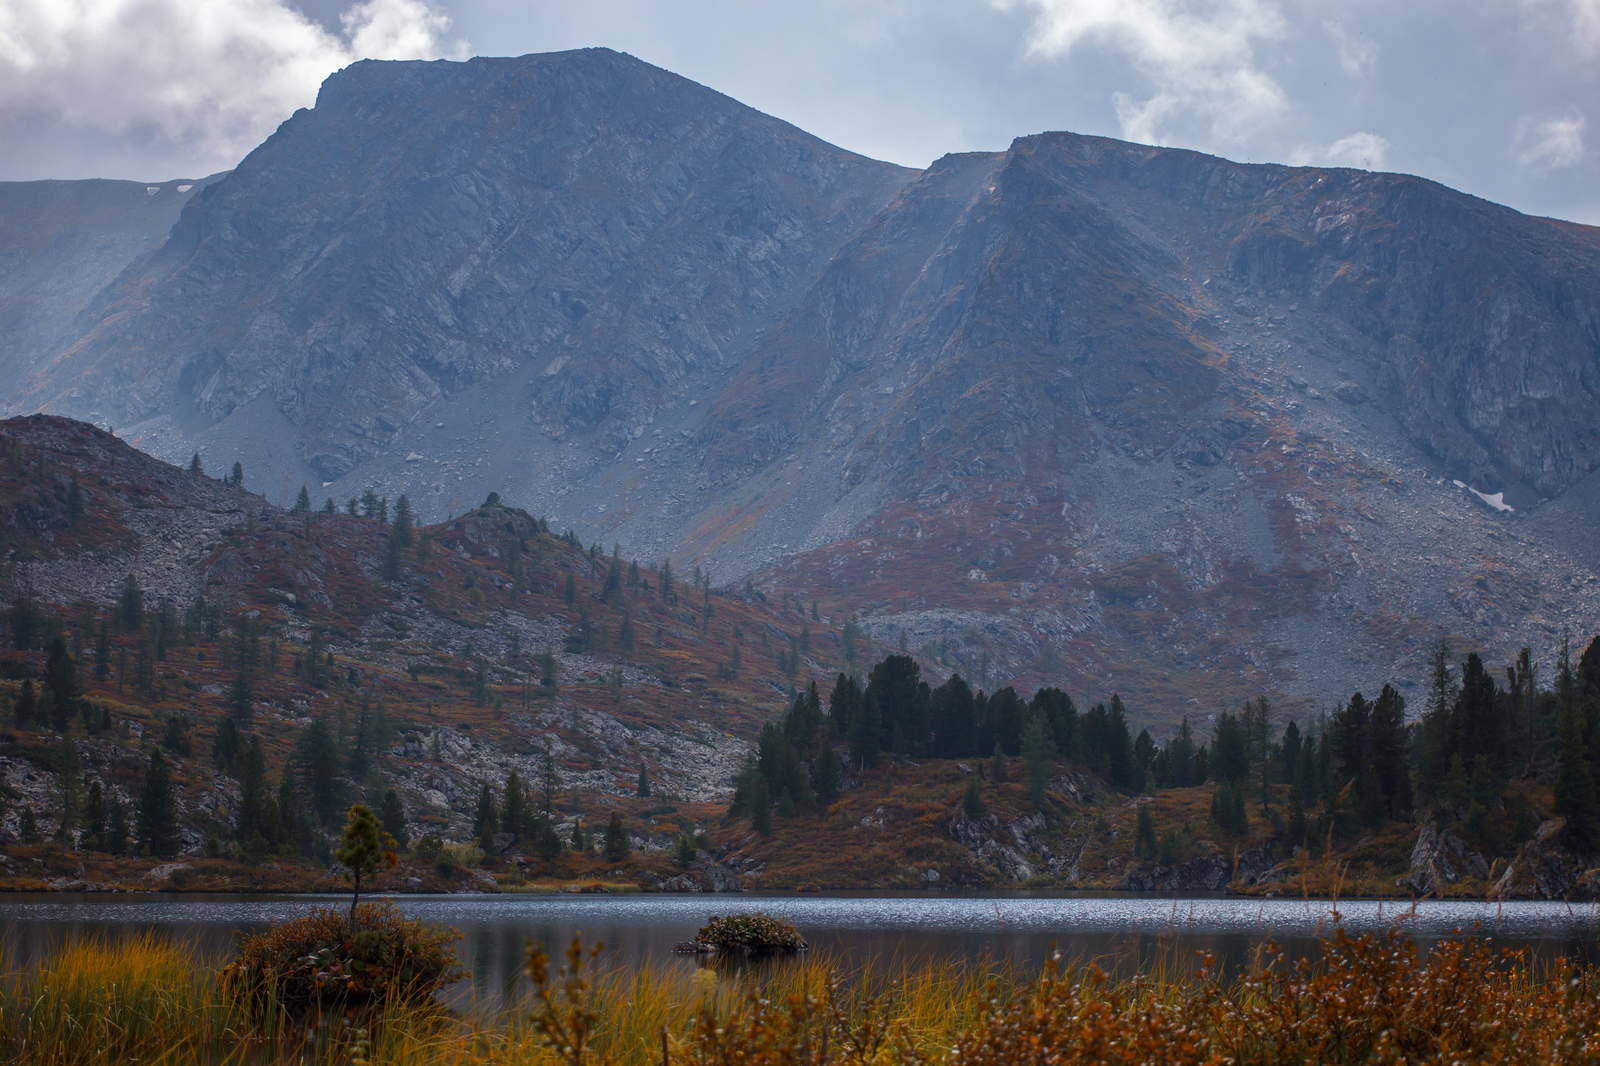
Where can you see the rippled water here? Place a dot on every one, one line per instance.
(1123, 933)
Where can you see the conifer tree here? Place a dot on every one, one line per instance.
(513, 808)
(1574, 790)
(158, 810)
(393, 816)
(1144, 834)
(195, 466)
(1038, 749)
(617, 844)
(759, 804)
(236, 478)
(972, 798)
(825, 776)
(364, 849)
(485, 822)
(643, 787)
(95, 819)
(997, 766)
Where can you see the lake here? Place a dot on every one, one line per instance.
(1124, 933)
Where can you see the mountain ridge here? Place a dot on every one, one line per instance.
(1191, 427)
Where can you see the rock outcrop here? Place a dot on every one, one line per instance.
(1549, 867)
(1440, 858)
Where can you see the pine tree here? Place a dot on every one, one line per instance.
(364, 849)
(1144, 835)
(1295, 828)
(1038, 749)
(825, 775)
(569, 592)
(316, 757)
(130, 606)
(760, 804)
(997, 766)
(393, 816)
(195, 467)
(643, 788)
(1574, 791)
(95, 820)
(158, 810)
(513, 808)
(236, 479)
(972, 798)
(485, 822)
(617, 844)
(404, 524)
(865, 733)
(61, 682)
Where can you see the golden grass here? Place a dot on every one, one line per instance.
(1371, 999)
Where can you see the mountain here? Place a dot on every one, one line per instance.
(61, 242)
(1081, 411)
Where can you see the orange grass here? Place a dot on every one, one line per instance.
(1369, 999)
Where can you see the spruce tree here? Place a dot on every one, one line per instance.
(513, 813)
(1574, 790)
(617, 844)
(195, 466)
(972, 797)
(643, 787)
(236, 479)
(95, 820)
(825, 776)
(760, 804)
(1144, 834)
(393, 815)
(158, 810)
(485, 822)
(1038, 749)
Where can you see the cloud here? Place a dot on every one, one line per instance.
(1546, 142)
(1579, 21)
(1356, 53)
(1367, 151)
(203, 81)
(1198, 56)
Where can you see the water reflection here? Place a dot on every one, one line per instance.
(1123, 934)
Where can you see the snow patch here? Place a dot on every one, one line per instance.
(1496, 500)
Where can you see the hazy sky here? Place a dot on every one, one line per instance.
(1491, 97)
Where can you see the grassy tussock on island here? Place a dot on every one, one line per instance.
(1368, 999)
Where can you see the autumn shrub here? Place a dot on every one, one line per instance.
(328, 955)
(754, 933)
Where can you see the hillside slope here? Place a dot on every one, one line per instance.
(1079, 412)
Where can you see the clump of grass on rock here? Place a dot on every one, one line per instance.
(751, 934)
(331, 955)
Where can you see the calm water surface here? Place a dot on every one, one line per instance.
(1123, 933)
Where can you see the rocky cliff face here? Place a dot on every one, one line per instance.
(61, 242)
(606, 229)
(1089, 412)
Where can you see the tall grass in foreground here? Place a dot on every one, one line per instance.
(1371, 999)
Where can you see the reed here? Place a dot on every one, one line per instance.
(1368, 999)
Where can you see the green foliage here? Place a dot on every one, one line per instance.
(158, 810)
(1038, 750)
(972, 797)
(1144, 835)
(364, 849)
(685, 850)
(617, 846)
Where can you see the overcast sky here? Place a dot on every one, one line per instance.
(1495, 98)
